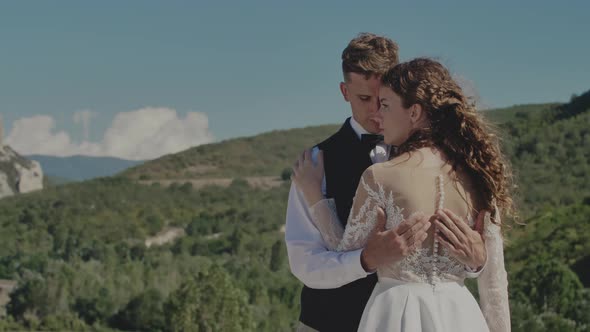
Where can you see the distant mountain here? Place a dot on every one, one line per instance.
(79, 168)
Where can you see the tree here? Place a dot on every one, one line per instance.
(95, 309)
(236, 240)
(286, 174)
(143, 313)
(209, 302)
(30, 297)
(277, 256)
(63, 322)
(29, 218)
(548, 285)
(154, 224)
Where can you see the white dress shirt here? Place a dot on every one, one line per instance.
(309, 259)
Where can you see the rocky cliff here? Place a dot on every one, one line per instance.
(17, 174)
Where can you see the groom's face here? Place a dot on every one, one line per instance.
(363, 96)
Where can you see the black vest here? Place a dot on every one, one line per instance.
(340, 309)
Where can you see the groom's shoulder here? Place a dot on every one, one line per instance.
(328, 142)
(331, 141)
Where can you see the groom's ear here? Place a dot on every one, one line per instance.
(344, 90)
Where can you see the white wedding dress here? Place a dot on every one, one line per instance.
(424, 291)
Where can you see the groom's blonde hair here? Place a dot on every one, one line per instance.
(369, 54)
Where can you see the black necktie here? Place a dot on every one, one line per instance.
(370, 140)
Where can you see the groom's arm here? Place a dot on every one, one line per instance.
(310, 261)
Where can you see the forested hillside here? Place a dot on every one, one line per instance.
(115, 254)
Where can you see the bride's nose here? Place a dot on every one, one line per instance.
(378, 118)
(375, 106)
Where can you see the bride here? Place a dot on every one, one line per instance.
(447, 160)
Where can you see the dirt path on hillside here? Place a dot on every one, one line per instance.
(263, 182)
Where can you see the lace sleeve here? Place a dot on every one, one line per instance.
(325, 218)
(493, 281)
(361, 220)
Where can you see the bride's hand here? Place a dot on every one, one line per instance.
(308, 176)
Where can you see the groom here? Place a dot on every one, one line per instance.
(337, 285)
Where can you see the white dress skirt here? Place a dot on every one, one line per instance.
(407, 307)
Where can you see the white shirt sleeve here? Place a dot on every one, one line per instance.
(309, 259)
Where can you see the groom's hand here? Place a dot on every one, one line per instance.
(390, 246)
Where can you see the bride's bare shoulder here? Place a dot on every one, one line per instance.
(389, 170)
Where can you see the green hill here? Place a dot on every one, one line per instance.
(262, 155)
(115, 254)
(546, 149)
(512, 113)
(270, 153)
(78, 253)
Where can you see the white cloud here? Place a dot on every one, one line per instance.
(142, 134)
(35, 135)
(83, 117)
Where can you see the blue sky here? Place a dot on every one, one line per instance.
(255, 66)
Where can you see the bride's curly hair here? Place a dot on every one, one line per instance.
(455, 128)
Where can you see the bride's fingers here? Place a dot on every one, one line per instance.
(307, 155)
(294, 173)
(301, 162)
(321, 159)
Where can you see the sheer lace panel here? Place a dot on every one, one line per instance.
(402, 192)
